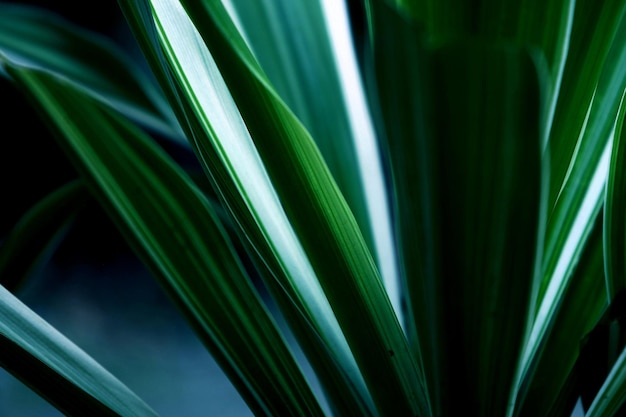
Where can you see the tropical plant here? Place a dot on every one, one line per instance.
(436, 202)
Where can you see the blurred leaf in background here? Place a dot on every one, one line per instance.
(372, 207)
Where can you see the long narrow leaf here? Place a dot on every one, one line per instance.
(170, 225)
(590, 139)
(306, 56)
(610, 399)
(235, 170)
(35, 236)
(318, 213)
(38, 38)
(582, 193)
(552, 385)
(464, 140)
(49, 363)
(615, 211)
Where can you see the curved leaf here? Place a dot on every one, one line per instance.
(170, 224)
(321, 219)
(231, 161)
(42, 358)
(552, 384)
(610, 399)
(37, 233)
(304, 48)
(615, 210)
(38, 38)
(462, 123)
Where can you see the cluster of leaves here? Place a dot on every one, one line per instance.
(441, 221)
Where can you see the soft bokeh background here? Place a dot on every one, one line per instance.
(116, 312)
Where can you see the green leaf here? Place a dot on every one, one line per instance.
(552, 384)
(170, 225)
(318, 213)
(33, 239)
(610, 399)
(310, 197)
(304, 48)
(232, 163)
(398, 81)
(50, 364)
(462, 123)
(615, 210)
(589, 133)
(279, 33)
(582, 193)
(596, 30)
(37, 38)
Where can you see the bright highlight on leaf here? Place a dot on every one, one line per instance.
(172, 228)
(58, 370)
(432, 192)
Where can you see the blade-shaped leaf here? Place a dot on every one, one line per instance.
(552, 384)
(594, 31)
(38, 38)
(234, 165)
(49, 363)
(314, 206)
(582, 194)
(304, 48)
(290, 41)
(464, 138)
(591, 140)
(170, 224)
(615, 210)
(321, 218)
(34, 237)
(397, 81)
(610, 399)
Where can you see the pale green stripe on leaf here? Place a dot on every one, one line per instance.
(591, 142)
(49, 363)
(565, 268)
(171, 226)
(318, 213)
(304, 48)
(582, 192)
(551, 384)
(225, 150)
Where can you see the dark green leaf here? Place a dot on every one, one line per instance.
(36, 235)
(318, 213)
(42, 358)
(170, 225)
(37, 38)
(301, 58)
(615, 211)
(552, 384)
(462, 123)
(232, 163)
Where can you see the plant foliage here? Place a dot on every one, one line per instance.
(435, 203)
